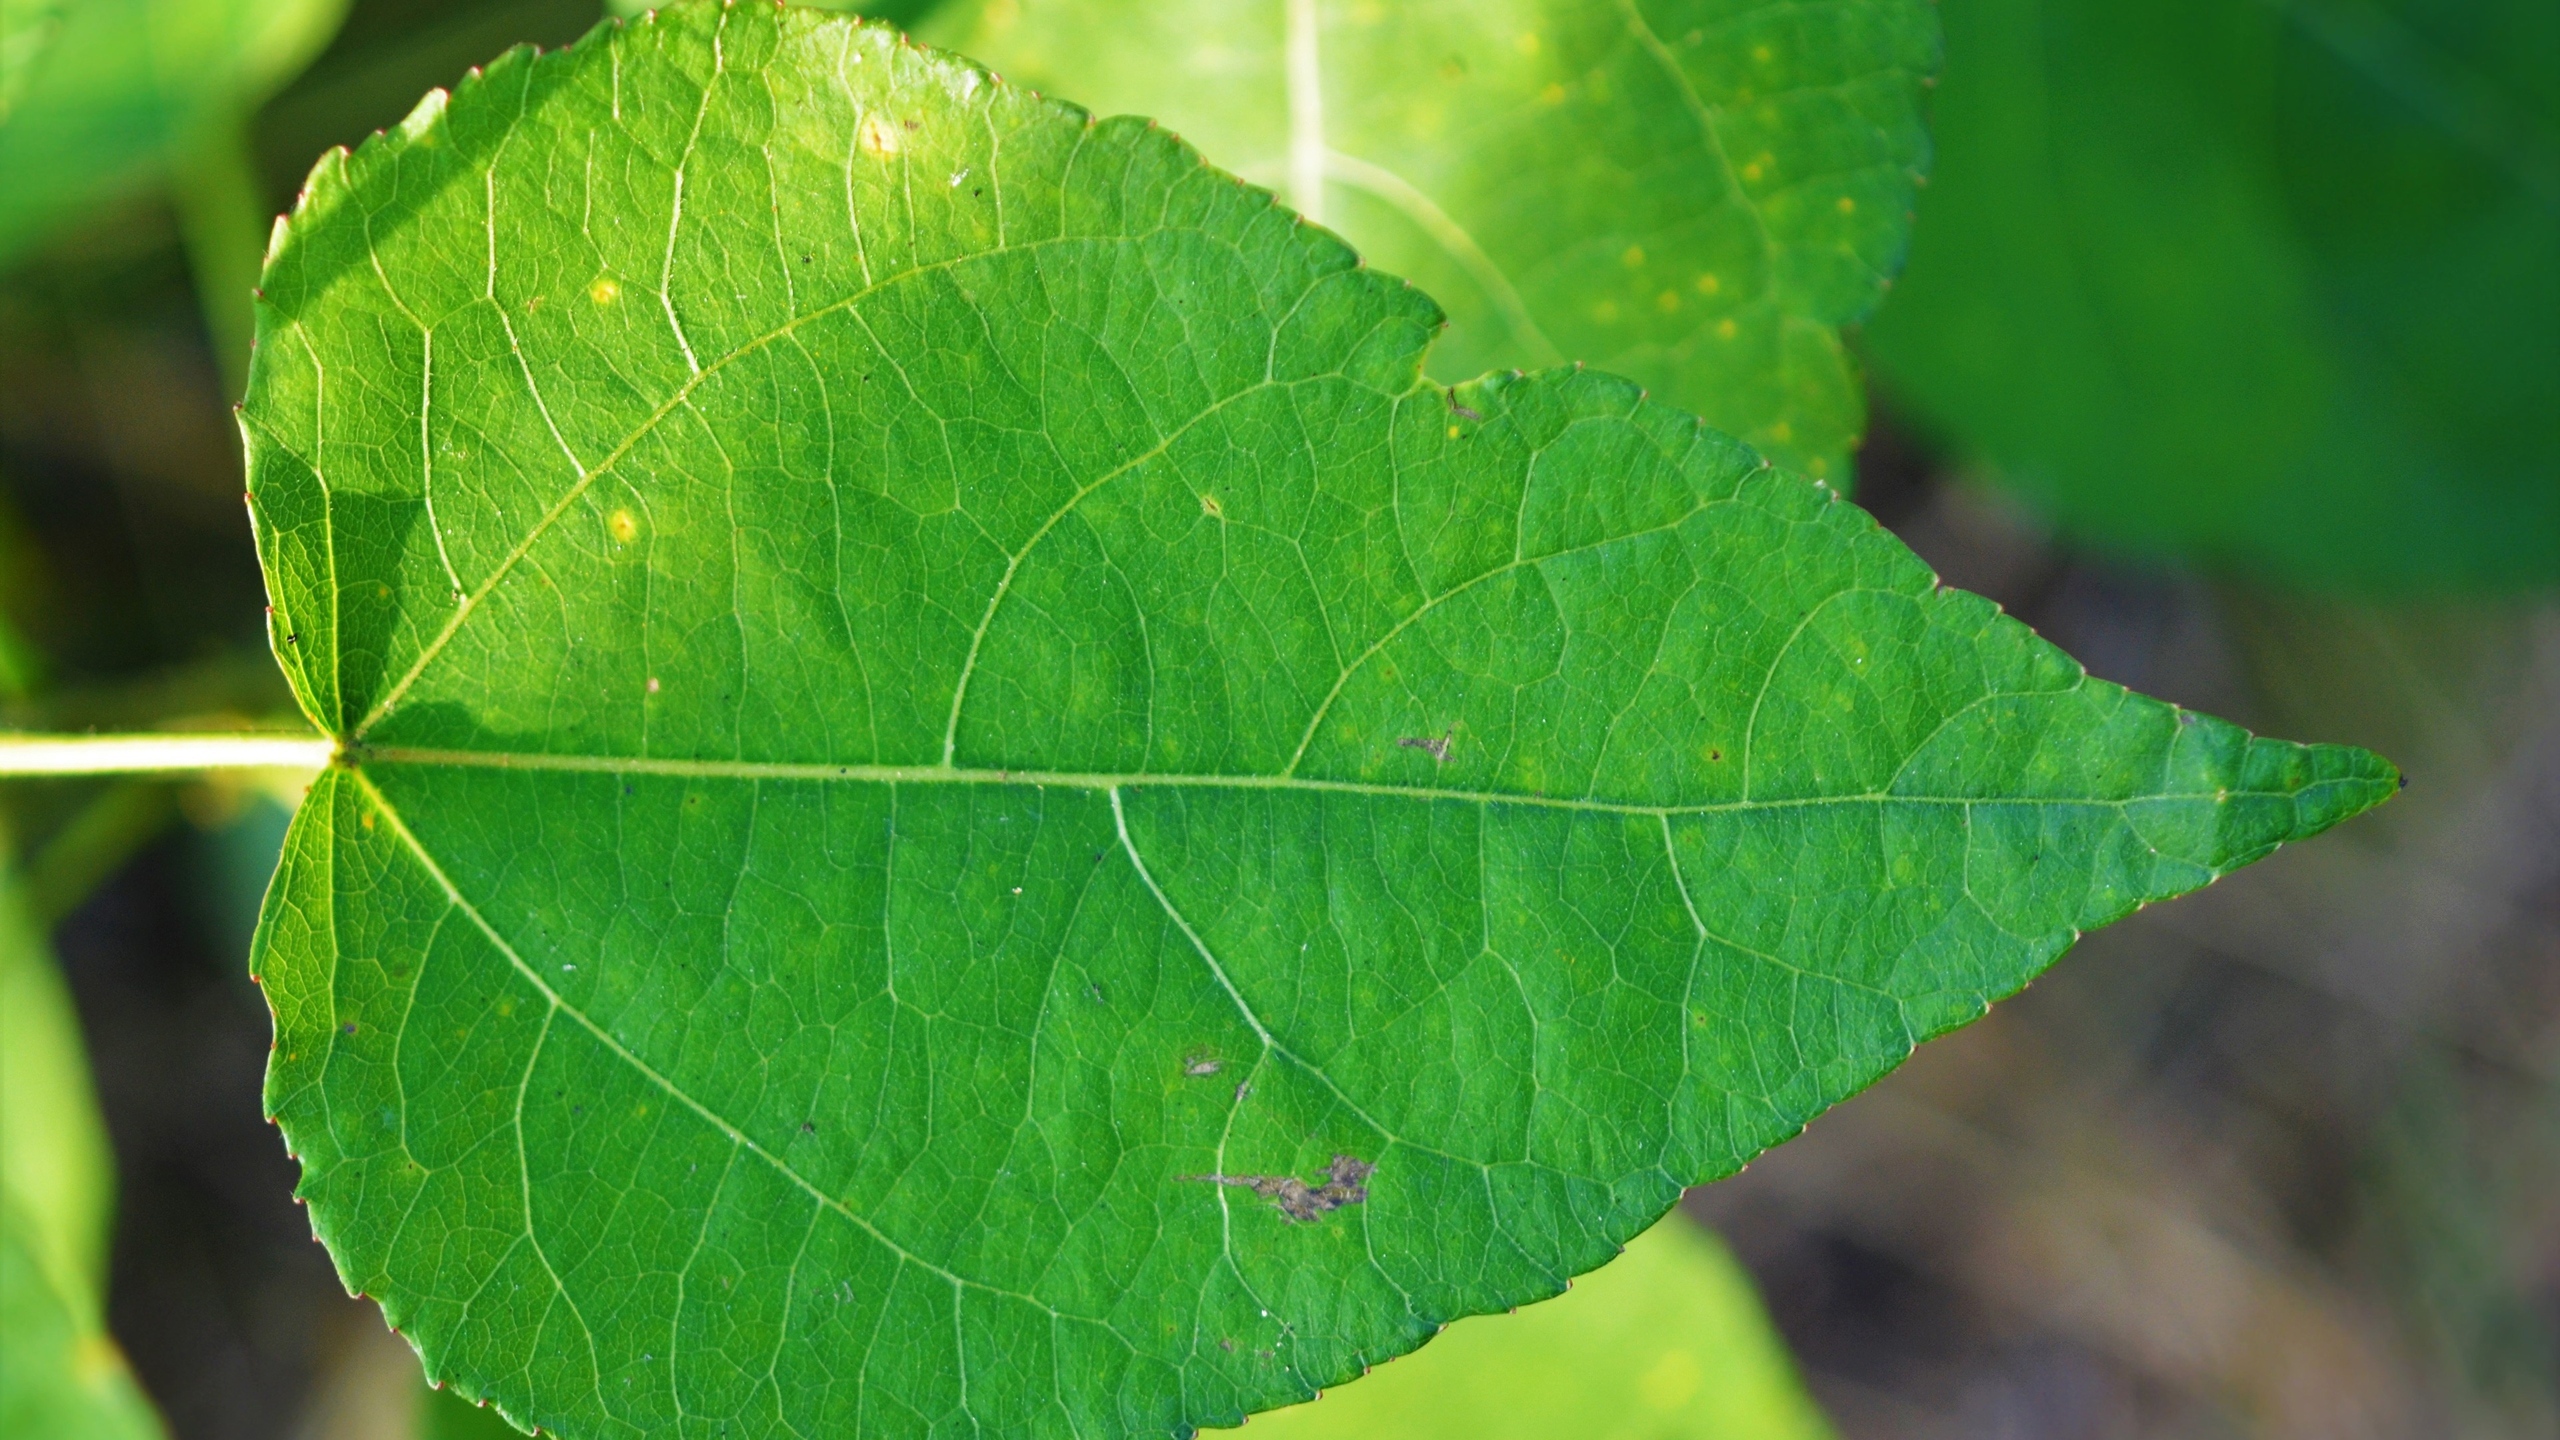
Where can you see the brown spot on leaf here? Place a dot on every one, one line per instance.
(1436, 746)
(1345, 1182)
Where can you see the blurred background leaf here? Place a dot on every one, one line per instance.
(26, 28)
(123, 95)
(125, 86)
(1696, 194)
(1667, 1342)
(2264, 284)
(60, 1373)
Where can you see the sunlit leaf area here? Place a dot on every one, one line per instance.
(1377, 719)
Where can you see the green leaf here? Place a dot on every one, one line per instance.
(902, 13)
(1666, 1342)
(20, 665)
(1693, 193)
(967, 804)
(2266, 285)
(60, 1373)
(27, 29)
(54, 1163)
(125, 86)
(444, 1415)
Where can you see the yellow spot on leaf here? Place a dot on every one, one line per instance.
(879, 137)
(1528, 42)
(1709, 284)
(1605, 311)
(1726, 329)
(1751, 171)
(1667, 301)
(1782, 431)
(1553, 94)
(1634, 256)
(1847, 205)
(1761, 54)
(1210, 507)
(604, 291)
(625, 527)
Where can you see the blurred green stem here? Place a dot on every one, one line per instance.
(223, 215)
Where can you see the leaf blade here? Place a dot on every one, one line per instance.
(892, 813)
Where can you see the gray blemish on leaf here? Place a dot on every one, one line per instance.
(1202, 1065)
(1345, 1183)
(1436, 746)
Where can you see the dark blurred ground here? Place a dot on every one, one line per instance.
(2281, 1159)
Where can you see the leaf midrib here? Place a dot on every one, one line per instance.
(357, 757)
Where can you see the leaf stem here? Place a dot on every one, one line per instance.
(145, 754)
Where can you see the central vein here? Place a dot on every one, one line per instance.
(361, 756)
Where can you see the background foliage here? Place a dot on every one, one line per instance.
(61, 1374)
(1695, 194)
(2264, 285)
